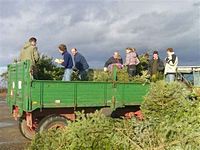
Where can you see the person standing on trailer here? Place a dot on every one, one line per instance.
(80, 64)
(155, 67)
(171, 62)
(116, 59)
(67, 62)
(30, 52)
(131, 61)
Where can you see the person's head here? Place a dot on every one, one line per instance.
(74, 51)
(33, 41)
(62, 48)
(133, 49)
(116, 55)
(128, 50)
(169, 51)
(146, 55)
(155, 55)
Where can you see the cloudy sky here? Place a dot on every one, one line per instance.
(99, 27)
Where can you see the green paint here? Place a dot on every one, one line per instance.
(40, 94)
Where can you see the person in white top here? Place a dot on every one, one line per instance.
(171, 62)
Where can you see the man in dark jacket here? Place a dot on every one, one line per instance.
(67, 62)
(156, 67)
(115, 59)
(80, 64)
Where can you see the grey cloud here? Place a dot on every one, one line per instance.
(99, 28)
(196, 4)
(8, 9)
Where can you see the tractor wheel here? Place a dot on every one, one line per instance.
(51, 122)
(26, 131)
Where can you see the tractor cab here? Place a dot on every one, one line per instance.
(189, 75)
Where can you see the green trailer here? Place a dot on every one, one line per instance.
(43, 104)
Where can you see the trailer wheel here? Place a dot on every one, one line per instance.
(51, 122)
(26, 131)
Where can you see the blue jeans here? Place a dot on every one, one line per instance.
(170, 77)
(67, 75)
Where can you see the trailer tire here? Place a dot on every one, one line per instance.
(25, 130)
(51, 122)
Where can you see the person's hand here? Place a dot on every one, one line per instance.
(75, 69)
(167, 59)
(125, 65)
(148, 76)
(105, 68)
(56, 60)
(59, 61)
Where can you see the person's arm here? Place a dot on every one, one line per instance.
(150, 67)
(173, 61)
(35, 54)
(121, 61)
(161, 66)
(136, 57)
(77, 61)
(20, 56)
(65, 62)
(127, 62)
(84, 62)
(108, 62)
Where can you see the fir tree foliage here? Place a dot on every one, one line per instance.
(48, 70)
(171, 122)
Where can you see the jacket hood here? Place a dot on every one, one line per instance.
(26, 45)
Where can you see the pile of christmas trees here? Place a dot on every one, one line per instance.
(171, 122)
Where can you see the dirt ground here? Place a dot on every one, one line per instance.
(10, 136)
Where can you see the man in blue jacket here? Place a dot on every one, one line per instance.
(80, 64)
(67, 62)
